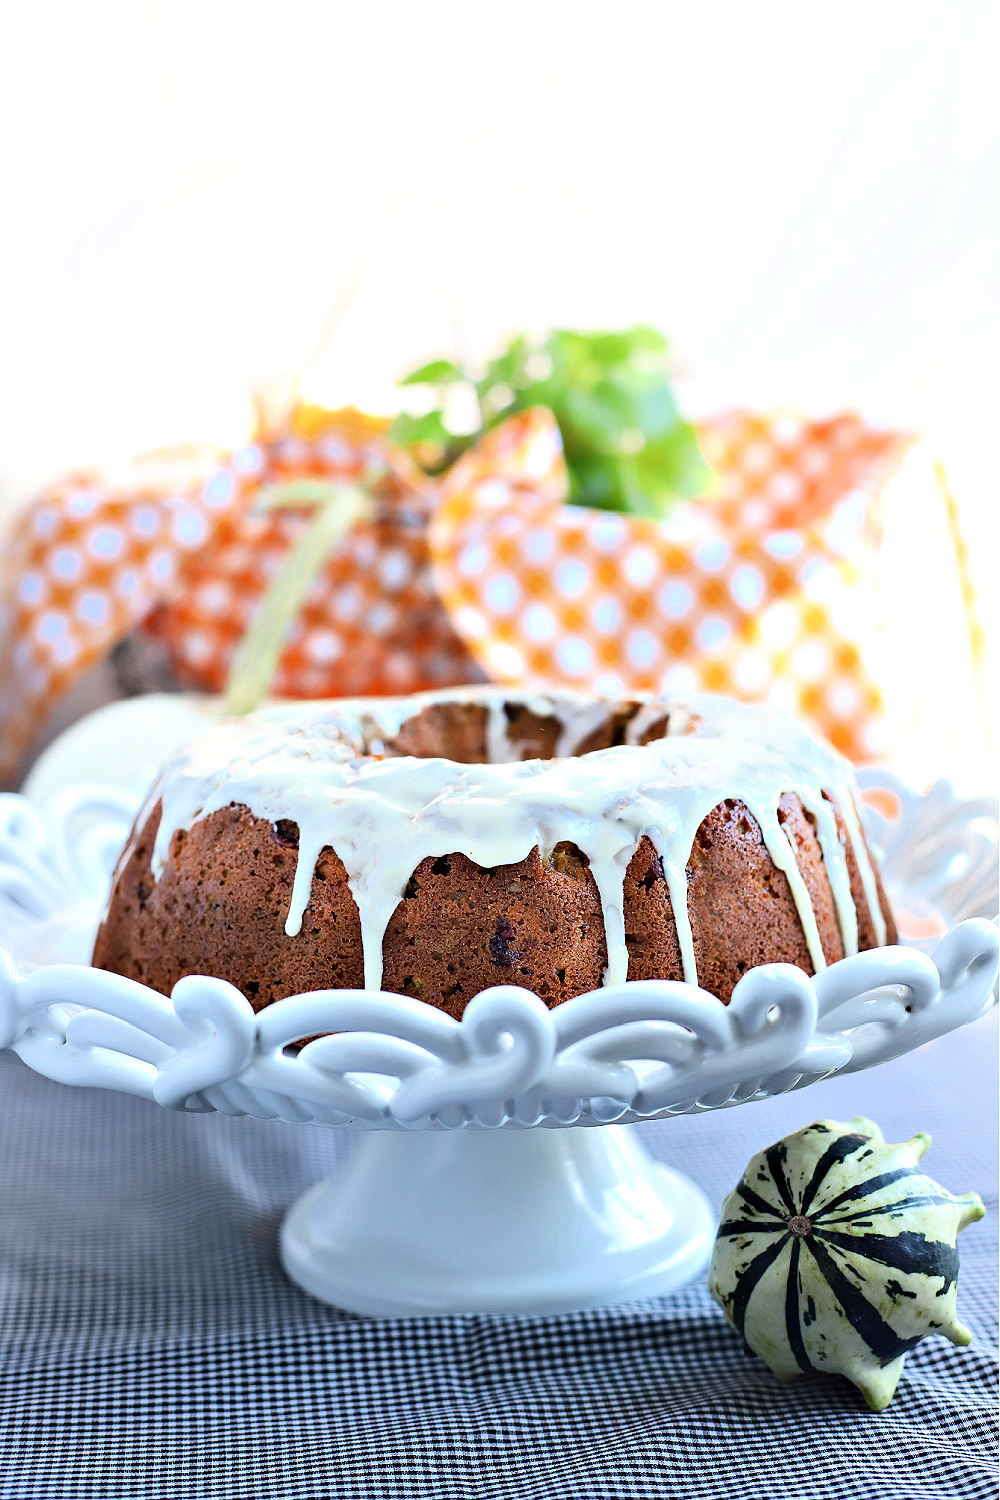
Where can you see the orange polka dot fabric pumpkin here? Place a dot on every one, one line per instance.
(176, 544)
(372, 622)
(763, 590)
(84, 565)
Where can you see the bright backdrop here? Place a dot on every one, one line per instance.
(204, 195)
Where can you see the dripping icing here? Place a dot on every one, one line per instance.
(311, 763)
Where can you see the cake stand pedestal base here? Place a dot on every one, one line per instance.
(496, 1221)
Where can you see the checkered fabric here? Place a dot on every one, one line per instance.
(86, 563)
(150, 1345)
(173, 540)
(767, 590)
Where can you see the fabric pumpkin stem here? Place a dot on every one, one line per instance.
(256, 658)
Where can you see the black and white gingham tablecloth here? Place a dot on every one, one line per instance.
(150, 1345)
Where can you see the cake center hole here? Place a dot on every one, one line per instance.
(468, 732)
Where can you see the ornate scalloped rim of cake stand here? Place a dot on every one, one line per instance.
(637, 1051)
(939, 847)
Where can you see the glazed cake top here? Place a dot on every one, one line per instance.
(324, 766)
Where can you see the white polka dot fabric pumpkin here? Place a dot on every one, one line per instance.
(837, 1254)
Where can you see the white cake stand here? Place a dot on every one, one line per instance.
(477, 1185)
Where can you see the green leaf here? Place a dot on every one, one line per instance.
(428, 428)
(626, 446)
(507, 368)
(674, 465)
(592, 422)
(438, 372)
(429, 441)
(612, 349)
(647, 340)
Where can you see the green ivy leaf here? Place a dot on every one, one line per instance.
(426, 429)
(438, 372)
(627, 447)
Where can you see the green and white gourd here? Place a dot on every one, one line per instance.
(837, 1254)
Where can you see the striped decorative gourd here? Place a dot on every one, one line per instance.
(837, 1254)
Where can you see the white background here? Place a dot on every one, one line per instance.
(200, 196)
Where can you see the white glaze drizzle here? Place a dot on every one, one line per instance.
(577, 725)
(676, 879)
(646, 716)
(310, 763)
(837, 871)
(866, 869)
(780, 847)
(498, 746)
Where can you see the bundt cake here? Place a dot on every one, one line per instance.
(436, 845)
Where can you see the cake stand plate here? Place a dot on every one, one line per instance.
(504, 1221)
(479, 1182)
